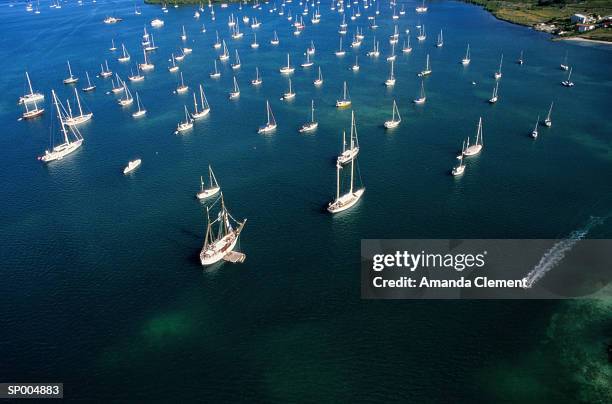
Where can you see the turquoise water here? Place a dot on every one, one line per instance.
(103, 289)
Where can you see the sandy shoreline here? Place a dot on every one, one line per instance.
(577, 38)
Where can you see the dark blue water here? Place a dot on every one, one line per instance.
(102, 288)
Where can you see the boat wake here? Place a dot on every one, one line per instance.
(557, 252)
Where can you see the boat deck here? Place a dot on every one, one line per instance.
(235, 257)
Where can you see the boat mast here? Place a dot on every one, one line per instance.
(29, 83)
(312, 108)
(195, 103)
(59, 116)
(76, 93)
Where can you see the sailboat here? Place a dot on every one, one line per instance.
(392, 56)
(308, 62)
(395, 117)
(105, 73)
(151, 46)
(136, 77)
(312, 125)
(132, 165)
(257, 80)
(407, 48)
(141, 111)
(548, 121)
(564, 65)
(319, 80)
(216, 74)
(311, 49)
(225, 55)
(421, 8)
(567, 82)
(72, 138)
(146, 65)
(440, 41)
(71, 120)
(274, 40)
(255, 45)
(182, 88)
(345, 101)
(31, 113)
(466, 59)
(127, 99)
(355, 67)
(70, 79)
(237, 34)
(125, 56)
(113, 47)
(204, 107)
(349, 199)
(422, 97)
(520, 60)
(340, 51)
(31, 96)
(477, 146)
(498, 73)
(287, 69)
(390, 82)
(349, 154)
(212, 189)
(494, 97)
(271, 122)
(90, 87)
(534, 132)
(427, 70)
(422, 35)
(236, 65)
(183, 34)
(235, 93)
(184, 126)
(217, 43)
(119, 86)
(460, 168)
(220, 242)
(290, 94)
(375, 49)
(174, 67)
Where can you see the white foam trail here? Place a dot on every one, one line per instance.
(557, 252)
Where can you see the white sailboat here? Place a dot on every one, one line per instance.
(183, 34)
(340, 51)
(440, 41)
(136, 77)
(348, 154)
(235, 93)
(290, 94)
(568, 82)
(212, 189)
(520, 60)
(307, 62)
(184, 126)
(494, 97)
(392, 56)
(174, 67)
(146, 65)
(534, 132)
(221, 241)
(345, 101)
(395, 117)
(236, 65)
(71, 137)
(422, 98)
(375, 49)
(288, 69)
(132, 165)
(127, 98)
(274, 40)
(472, 150)
(407, 48)
(548, 120)
(498, 73)
(216, 74)
(257, 80)
(460, 168)
(564, 65)
(118, 87)
(225, 55)
(151, 46)
(355, 67)
(31, 96)
(31, 113)
(182, 88)
(349, 199)
(312, 125)
(319, 80)
(70, 119)
(113, 47)
(311, 49)
(71, 79)
(255, 44)
(421, 9)
(204, 107)
(271, 122)
(466, 59)
(141, 110)
(217, 44)
(427, 70)
(125, 56)
(390, 82)
(422, 35)
(104, 73)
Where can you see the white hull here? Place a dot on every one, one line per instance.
(307, 127)
(207, 193)
(132, 165)
(31, 98)
(346, 201)
(420, 100)
(61, 151)
(78, 119)
(472, 150)
(200, 114)
(343, 103)
(140, 113)
(183, 127)
(216, 251)
(348, 155)
(392, 124)
(266, 129)
(458, 170)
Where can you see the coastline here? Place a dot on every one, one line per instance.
(581, 39)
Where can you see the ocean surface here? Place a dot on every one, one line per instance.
(101, 284)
